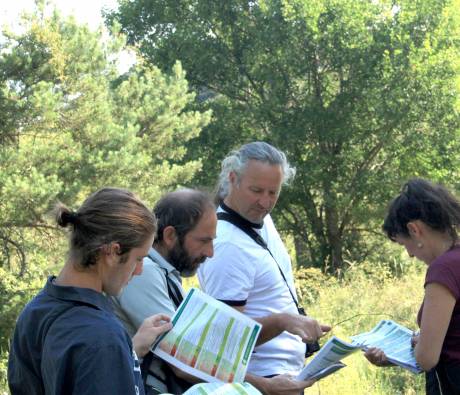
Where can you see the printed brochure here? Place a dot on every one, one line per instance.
(393, 339)
(222, 389)
(209, 339)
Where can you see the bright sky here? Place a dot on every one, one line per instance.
(85, 11)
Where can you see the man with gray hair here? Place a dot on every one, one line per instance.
(251, 269)
(186, 221)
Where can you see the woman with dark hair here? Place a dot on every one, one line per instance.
(425, 218)
(67, 339)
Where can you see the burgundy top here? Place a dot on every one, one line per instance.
(445, 270)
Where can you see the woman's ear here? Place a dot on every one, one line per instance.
(414, 228)
(169, 236)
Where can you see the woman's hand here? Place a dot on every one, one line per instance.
(148, 332)
(414, 339)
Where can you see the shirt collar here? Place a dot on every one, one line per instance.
(155, 256)
(242, 219)
(76, 294)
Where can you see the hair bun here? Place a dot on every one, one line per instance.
(68, 217)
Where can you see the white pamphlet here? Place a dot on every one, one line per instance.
(209, 339)
(393, 339)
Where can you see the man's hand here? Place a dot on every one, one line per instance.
(148, 332)
(377, 357)
(285, 385)
(307, 328)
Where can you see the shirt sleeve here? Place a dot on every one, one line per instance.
(107, 369)
(146, 295)
(442, 273)
(228, 275)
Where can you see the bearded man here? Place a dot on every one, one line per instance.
(186, 229)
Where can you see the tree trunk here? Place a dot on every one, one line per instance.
(334, 235)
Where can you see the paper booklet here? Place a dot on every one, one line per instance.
(209, 340)
(393, 339)
(222, 389)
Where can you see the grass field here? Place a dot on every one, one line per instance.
(361, 299)
(368, 297)
(365, 295)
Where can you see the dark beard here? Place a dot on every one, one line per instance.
(182, 261)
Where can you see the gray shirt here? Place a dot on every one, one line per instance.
(146, 295)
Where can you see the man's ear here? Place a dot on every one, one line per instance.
(169, 236)
(233, 178)
(115, 248)
(111, 252)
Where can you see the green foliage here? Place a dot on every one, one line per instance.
(76, 125)
(310, 281)
(14, 293)
(354, 305)
(73, 124)
(366, 294)
(360, 94)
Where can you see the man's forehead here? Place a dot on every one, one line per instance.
(206, 225)
(262, 172)
(257, 166)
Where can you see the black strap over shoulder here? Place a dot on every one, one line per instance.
(174, 292)
(246, 228)
(241, 224)
(173, 383)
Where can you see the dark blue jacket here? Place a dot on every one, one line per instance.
(68, 341)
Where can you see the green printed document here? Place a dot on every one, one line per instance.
(393, 339)
(209, 339)
(222, 389)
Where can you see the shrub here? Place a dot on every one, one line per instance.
(366, 294)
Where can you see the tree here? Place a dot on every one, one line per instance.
(360, 94)
(63, 100)
(70, 124)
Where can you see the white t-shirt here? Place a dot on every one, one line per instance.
(243, 273)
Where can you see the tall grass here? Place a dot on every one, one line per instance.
(355, 304)
(366, 294)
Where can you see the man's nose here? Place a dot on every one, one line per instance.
(138, 269)
(265, 201)
(209, 251)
